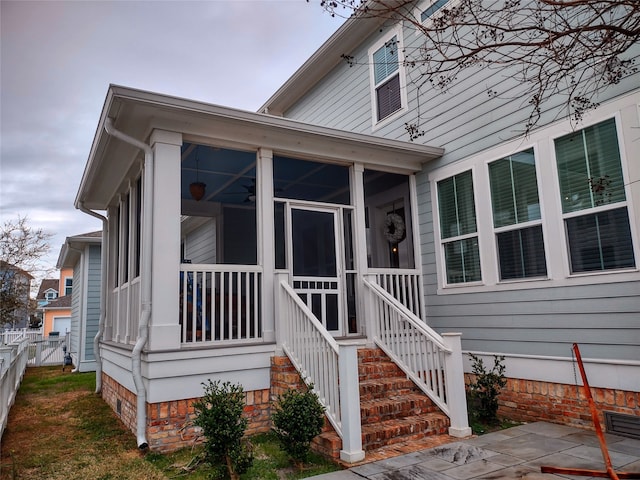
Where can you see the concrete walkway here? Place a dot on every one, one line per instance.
(515, 453)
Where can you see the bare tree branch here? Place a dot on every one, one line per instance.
(569, 48)
(21, 249)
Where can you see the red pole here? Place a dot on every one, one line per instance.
(594, 416)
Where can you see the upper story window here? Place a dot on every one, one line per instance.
(427, 9)
(50, 295)
(458, 228)
(388, 77)
(516, 216)
(593, 199)
(68, 285)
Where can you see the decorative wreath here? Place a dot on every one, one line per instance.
(394, 229)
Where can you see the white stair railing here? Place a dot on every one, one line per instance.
(331, 367)
(434, 363)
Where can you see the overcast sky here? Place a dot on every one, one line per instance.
(58, 59)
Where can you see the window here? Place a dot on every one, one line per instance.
(593, 199)
(433, 7)
(50, 295)
(387, 80)
(516, 216)
(68, 284)
(458, 229)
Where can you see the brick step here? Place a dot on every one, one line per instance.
(395, 406)
(414, 427)
(377, 370)
(383, 387)
(409, 434)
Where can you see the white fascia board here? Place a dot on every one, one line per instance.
(148, 110)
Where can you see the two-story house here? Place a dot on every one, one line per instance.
(313, 230)
(56, 312)
(15, 290)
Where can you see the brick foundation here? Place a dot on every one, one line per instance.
(531, 401)
(169, 424)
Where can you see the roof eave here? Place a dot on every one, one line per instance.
(348, 37)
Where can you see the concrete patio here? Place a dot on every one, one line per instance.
(515, 453)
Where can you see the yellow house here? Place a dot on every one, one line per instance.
(57, 312)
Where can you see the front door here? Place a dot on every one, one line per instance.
(316, 266)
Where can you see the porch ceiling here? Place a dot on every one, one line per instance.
(138, 113)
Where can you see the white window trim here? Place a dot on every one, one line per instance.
(627, 115)
(422, 6)
(375, 123)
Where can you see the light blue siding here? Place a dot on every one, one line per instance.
(93, 301)
(76, 314)
(603, 318)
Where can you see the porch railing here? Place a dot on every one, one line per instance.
(330, 366)
(13, 362)
(404, 285)
(312, 350)
(220, 303)
(432, 361)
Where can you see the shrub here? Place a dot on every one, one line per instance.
(219, 414)
(297, 419)
(485, 388)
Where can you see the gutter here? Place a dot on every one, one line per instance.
(103, 289)
(145, 281)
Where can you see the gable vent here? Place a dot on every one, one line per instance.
(621, 424)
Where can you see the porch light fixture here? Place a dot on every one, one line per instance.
(197, 188)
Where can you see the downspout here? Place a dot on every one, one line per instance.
(103, 291)
(145, 281)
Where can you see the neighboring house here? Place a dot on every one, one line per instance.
(15, 288)
(56, 313)
(49, 288)
(237, 237)
(81, 254)
(47, 292)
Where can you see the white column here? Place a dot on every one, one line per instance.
(360, 243)
(350, 402)
(266, 253)
(164, 328)
(454, 381)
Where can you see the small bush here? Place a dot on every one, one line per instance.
(297, 419)
(219, 414)
(484, 390)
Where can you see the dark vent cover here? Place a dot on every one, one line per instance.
(621, 424)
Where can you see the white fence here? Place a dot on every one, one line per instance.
(48, 351)
(13, 362)
(10, 336)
